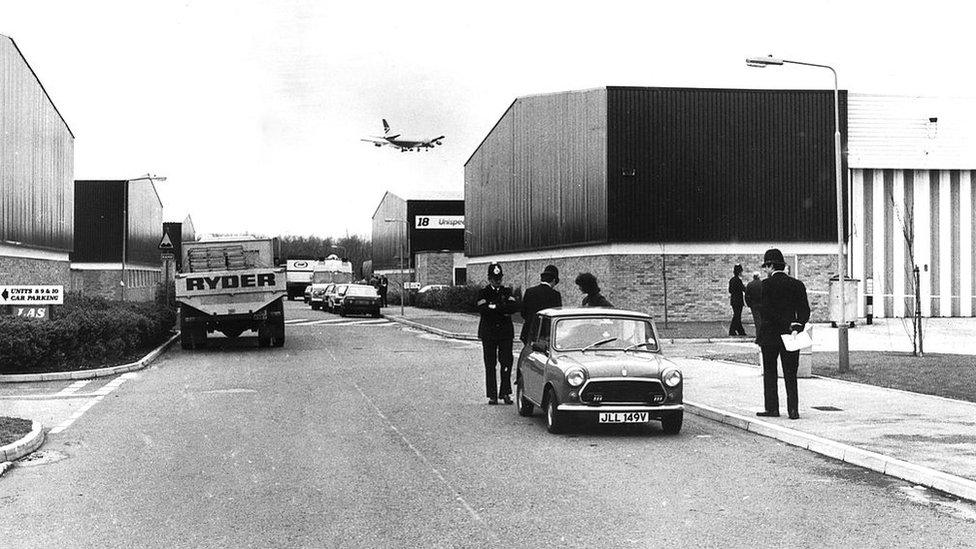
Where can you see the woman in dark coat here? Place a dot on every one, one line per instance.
(593, 298)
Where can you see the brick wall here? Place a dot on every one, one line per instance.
(141, 285)
(19, 270)
(697, 285)
(435, 268)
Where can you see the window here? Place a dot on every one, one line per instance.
(577, 333)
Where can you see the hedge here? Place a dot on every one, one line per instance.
(84, 333)
(455, 299)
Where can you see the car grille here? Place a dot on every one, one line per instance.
(619, 391)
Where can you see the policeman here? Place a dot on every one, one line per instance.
(496, 305)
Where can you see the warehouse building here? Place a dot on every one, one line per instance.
(36, 173)
(912, 162)
(658, 192)
(427, 231)
(118, 228)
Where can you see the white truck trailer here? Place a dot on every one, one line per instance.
(299, 276)
(230, 287)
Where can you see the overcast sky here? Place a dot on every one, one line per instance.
(254, 110)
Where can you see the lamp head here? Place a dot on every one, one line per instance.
(763, 62)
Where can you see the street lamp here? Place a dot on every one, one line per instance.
(125, 222)
(403, 290)
(842, 347)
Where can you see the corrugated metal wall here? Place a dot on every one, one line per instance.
(890, 131)
(538, 180)
(434, 240)
(713, 165)
(386, 236)
(36, 159)
(98, 221)
(99, 214)
(145, 223)
(904, 218)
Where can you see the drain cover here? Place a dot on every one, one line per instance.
(41, 457)
(827, 408)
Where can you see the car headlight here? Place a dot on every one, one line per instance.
(575, 377)
(671, 377)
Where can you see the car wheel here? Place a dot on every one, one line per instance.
(315, 306)
(342, 312)
(555, 420)
(672, 423)
(522, 404)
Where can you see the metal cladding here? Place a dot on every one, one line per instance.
(711, 165)
(36, 159)
(539, 178)
(101, 211)
(656, 165)
(420, 236)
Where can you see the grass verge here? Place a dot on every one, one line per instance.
(13, 429)
(950, 376)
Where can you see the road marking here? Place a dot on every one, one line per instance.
(294, 320)
(100, 394)
(344, 322)
(457, 495)
(73, 388)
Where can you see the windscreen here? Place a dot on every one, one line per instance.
(362, 291)
(577, 333)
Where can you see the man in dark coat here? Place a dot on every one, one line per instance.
(496, 332)
(736, 289)
(753, 299)
(785, 309)
(538, 298)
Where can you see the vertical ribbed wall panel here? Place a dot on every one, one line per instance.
(36, 159)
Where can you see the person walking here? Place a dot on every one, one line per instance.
(785, 309)
(496, 332)
(592, 298)
(753, 298)
(736, 289)
(538, 298)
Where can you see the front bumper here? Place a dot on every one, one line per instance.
(663, 409)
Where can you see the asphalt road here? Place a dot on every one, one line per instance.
(373, 435)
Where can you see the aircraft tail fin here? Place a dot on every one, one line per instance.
(386, 127)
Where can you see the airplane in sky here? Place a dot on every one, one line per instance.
(403, 143)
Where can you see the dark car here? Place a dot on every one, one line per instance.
(599, 365)
(319, 298)
(358, 298)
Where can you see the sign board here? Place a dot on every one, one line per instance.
(31, 295)
(438, 222)
(36, 313)
(411, 285)
(165, 244)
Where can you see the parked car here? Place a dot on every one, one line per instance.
(358, 298)
(308, 294)
(320, 296)
(332, 296)
(596, 364)
(430, 287)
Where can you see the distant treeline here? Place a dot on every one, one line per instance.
(354, 248)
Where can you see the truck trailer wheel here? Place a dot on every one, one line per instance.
(278, 332)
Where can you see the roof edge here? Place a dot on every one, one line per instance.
(39, 83)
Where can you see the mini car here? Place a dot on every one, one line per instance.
(599, 365)
(358, 298)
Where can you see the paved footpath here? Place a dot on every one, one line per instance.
(924, 439)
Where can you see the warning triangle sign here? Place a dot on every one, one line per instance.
(165, 243)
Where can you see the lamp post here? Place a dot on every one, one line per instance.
(403, 290)
(125, 223)
(842, 347)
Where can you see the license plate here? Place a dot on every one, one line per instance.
(623, 417)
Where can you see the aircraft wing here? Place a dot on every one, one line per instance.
(433, 142)
(377, 142)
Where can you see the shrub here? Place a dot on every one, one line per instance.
(86, 332)
(455, 299)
